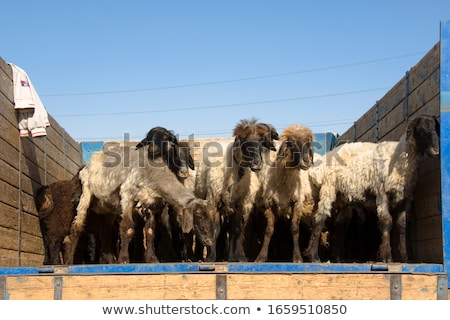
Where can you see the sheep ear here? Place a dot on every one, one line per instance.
(191, 163)
(268, 143)
(268, 139)
(274, 135)
(187, 221)
(143, 143)
(437, 125)
(240, 174)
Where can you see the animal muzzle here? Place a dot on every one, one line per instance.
(183, 173)
(255, 165)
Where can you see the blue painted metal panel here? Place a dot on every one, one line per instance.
(445, 141)
(135, 268)
(324, 142)
(88, 148)
(297, 267)
(329, 268)
(18, 271)
(171, 268)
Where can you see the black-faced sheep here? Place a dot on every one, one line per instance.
(244, 170)
(282, 194)
(180, 228)
(138, 180)
(385, 175)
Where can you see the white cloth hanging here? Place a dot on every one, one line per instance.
(32, 115)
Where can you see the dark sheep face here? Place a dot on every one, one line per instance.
(248, 153)
(203, 223)
(251, 138)
(159, 141)
(180, 161)
(163, 144)
(425, 131)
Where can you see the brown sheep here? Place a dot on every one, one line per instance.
(282, 188)
(244, 166)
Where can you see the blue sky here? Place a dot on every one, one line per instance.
(106, 68)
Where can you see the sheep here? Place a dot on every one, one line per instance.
(138, 180)
(385, 174)
(282, 188)
(56, 207)
(208, 185)
(244, 170)
(179, 231)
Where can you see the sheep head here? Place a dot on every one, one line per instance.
(424, 132)
(159, 141)
(163, 144)
(251, 137)
(197, 217)
(297, 150)
(183, 162)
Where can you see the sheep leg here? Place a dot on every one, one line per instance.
(237, 229)
(126, 232)
(327, 198)
(401, 224)
(385, 226)
(149, 236)
(295, 231)
(312, 251)
(188, 252)
(342, 223)
(52, 250)
(105, 239)
(77, 227)
(270, 218)
(239, 246)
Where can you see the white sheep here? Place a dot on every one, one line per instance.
(136, 179)
(384, 173)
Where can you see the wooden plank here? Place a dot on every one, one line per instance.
(320, 286)
(366, 122)
(30, 288)
(429, 229)
(427, 207)
(10, 195)
(425, 67)
(9, 219)
(392, 99)
(369, 136)
(427, 251)
(419, 287)
(391, 121)
(28, 243)
(308, 286)
(427, 91)
(147, 287)
(347, 136)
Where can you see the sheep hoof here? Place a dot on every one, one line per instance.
(260, 259)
